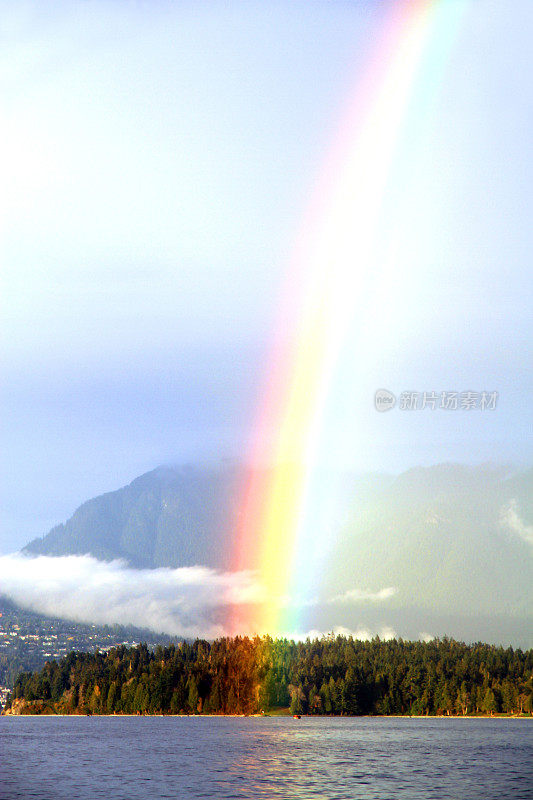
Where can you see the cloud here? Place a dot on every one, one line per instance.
(424, 636)
(189, 601)
(348, 597)
(511, 519)
(363, 634)
(360, 595)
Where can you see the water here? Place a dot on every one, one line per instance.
(148, 758)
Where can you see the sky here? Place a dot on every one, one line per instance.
(157, 162)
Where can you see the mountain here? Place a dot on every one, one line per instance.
(170, 517)
(450, 540)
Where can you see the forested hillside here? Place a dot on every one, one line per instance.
(326, 676)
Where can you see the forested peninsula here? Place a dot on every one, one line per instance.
(334, 675)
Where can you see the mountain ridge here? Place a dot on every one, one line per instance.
(450, 539)
(165, 517)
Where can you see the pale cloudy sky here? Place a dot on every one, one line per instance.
(156, 162)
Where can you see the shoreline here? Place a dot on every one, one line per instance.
(280, 716)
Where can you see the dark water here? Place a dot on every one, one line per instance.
(82, 758)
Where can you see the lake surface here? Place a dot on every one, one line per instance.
(148, 758)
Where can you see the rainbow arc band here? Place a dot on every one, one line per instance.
(336, 264)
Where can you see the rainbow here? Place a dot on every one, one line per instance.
(339, 257)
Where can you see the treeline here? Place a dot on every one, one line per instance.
(333, 675)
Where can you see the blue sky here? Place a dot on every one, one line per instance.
(157, 160)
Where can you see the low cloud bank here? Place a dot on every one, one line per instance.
(181, 602)
(188, 601)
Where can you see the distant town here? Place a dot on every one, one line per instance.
(29, 640)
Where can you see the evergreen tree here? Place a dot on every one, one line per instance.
(489, 705)
(193, 697)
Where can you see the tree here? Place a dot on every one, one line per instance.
(268, 691)
(94, 700)
(326, 698)
(350, 700)
(193, 696)
(296, 706)
(141, 698)
(489, 705)
(111, 698)
(297, 699)
(463, 699)
(335, 696)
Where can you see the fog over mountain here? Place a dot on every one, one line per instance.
(440, 550)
